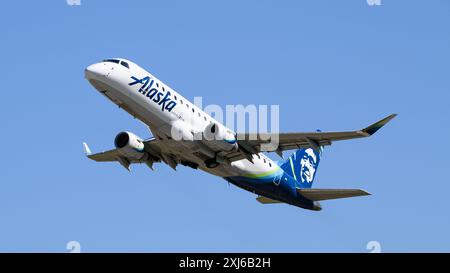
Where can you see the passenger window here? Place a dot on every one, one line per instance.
(270, 164)
(187, 105)
(175, 97)
(157, 84)
(264, 160)
(181, 101)
(204, 118)
(164, 89)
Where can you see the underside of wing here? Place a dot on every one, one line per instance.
(150, 154)
(106, 156)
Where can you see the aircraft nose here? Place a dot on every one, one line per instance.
(95, 71)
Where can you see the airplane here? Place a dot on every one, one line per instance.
(239, 158)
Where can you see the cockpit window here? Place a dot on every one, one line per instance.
(125, 64)
(112, 61)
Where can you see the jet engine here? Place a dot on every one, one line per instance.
(219, 138)
(130, 146)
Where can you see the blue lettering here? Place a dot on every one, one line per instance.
(170, 106)
(144, 81)
(154, 94)
(148, 87)
(158, 97)
(165, 100)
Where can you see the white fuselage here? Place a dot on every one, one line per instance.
(162, 108)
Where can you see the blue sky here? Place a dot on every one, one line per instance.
(330, 65)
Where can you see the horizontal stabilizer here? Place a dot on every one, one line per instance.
(327, 194)
(266, 200)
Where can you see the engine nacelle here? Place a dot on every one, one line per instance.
(130, 146)
(217, 137)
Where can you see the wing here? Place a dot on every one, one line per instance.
(255, 143)
(150, 146)
(105, 156)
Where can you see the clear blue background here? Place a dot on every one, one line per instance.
(330, 65)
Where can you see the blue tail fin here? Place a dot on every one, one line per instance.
(302, 166)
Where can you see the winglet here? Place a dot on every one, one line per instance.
(86, 149)
(377, 125)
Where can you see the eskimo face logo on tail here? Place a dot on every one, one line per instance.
(154, 94)
(308, 165)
